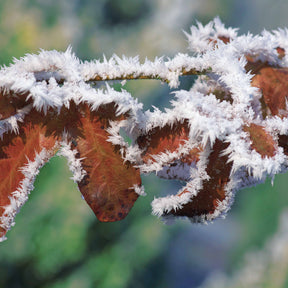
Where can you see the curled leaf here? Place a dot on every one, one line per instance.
(205, 204)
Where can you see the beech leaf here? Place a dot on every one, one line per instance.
(163, 139)
(262, 142)
(229, 131)
(204, 202)
(273, 83)
(110, 186)
(21, 157)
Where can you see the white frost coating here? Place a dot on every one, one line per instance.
(262, 47)
(73, 162)
(65, 65)
(277, 124)
(162, 206)
(20, 196)
(11, 123)
(117, 67)
(216, 108)
(209, 120)
(139, 190)
(200, 35)
(242, 155)
(95, 98)
(160, 163)
(180, 171)
(49, 95)
(226, 61)
(130, 153)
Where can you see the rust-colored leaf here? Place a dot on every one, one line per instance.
(283, 142)
(168, 140)
(213, 190)
(261, 141)
(11, 102)
(162, 139)
(253, 66)
(192, 156)
(66, 120)
(2, 232)
(273, 83)
(109, 186)
(224, 39)
(15, 152)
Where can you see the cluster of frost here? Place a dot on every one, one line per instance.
(51, 80)
(210, 118)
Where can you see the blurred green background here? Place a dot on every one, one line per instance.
(57, 241)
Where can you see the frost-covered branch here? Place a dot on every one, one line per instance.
(227, 132)
(131, 69)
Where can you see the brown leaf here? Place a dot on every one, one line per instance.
(169, 139)
(15, 150)
(273, 83)
(2, 232)
(222, 95)
(283, 142)
(262, 142)
(180, 168)
(109, 186)
(254, 66)
(10, 102)
(66, 120)
(213, 190)
(162, 139)
(69, 119)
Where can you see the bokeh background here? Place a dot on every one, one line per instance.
(57, 241)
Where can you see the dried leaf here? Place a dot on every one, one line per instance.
(11, 102)
(168, 151)
(163, 139)
(283, 142)
(213, 190)
(180, 169)
(67, 121)
(109, 186)
(261, 141)
(254, 66)
(16, 152)
(273, 83)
